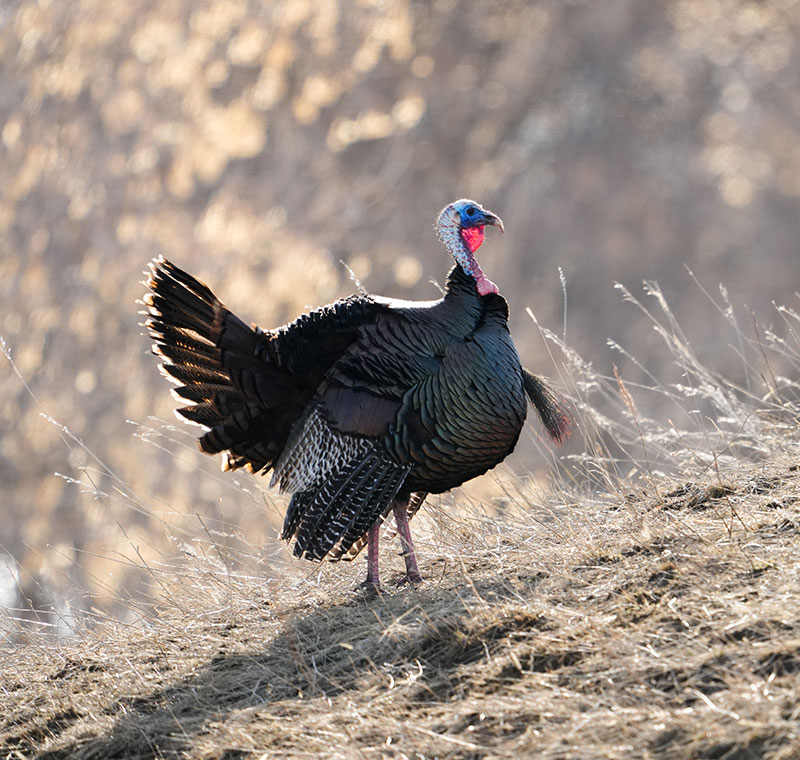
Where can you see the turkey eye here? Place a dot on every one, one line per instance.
(471, 211)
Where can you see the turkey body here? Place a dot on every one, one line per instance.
(453, 380)
(357, 407)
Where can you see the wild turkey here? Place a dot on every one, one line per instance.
(362, 406)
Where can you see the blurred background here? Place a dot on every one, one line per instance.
(265, 145)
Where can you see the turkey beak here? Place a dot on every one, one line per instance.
(494, 220)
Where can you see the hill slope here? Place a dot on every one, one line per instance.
(659, 625)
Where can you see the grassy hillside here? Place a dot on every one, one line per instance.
(656, 626)
(646, 612)
(633, 596)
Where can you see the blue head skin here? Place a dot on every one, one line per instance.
(473, 215)
(460, 228)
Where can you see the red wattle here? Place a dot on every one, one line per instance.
(472, 237)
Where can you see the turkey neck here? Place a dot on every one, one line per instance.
(465, 307)
(449, 232)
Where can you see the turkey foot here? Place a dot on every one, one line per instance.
(368, 590)
(410, 580)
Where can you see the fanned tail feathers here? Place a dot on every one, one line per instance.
(220, 365)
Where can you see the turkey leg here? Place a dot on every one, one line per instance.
(409, 555)
(373, 536)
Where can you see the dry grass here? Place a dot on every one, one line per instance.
(650, 628)
(654, 617)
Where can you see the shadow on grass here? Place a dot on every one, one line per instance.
(416, 636)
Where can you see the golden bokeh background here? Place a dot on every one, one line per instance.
(262, 144)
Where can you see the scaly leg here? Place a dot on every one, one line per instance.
(373, 581)
(409, 555)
